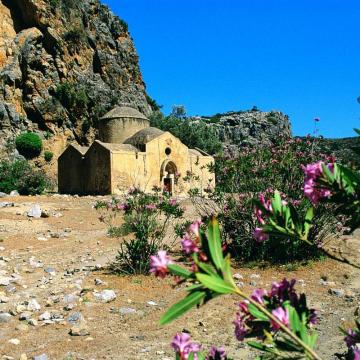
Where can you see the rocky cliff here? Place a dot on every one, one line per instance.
(248, 128)
(63, 64)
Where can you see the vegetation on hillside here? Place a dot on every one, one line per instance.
(192, 134)
(21, 176)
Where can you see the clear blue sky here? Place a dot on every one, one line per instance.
(298, 56)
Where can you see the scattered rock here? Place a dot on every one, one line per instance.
(5, 318)
(14, 193)
(75, 318)
(126, 311)
(105, 296)
(14, 341)
(98, 282)
(2, 195)
(26, 315)
(152, 303)
(337, 292)
(4, 280)
(33, 305)
(41, 357)
(254, 276)
(45, 316)
(33, 322)
(80, 330)
(238, 276)
(35, 211)
(5, 204)
(50, 271)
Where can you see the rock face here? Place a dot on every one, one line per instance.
(249, 128)
(63, 64)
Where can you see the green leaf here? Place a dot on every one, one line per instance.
(179, 271)
(254, 311)
(295, 323)
(215, 283)
(308, 220)
(182, 306)
(276, 202)
(227, 274)
(357, 131)
(214, 241)
(207, 268)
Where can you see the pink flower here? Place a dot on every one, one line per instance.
(183, 346)
(159, 263)
(150, 207)
(282, 315)
(350, 339)
(195, 228)
(259, 235)
(357, 354)
(312, 190)
(259, 217)
(284, 290)
(258, 295)
(189, 245)
(240, 328)
(173, 202)
(122, 206)
(217, 353)
(313, 317)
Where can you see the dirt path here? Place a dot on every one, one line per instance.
(52, 260)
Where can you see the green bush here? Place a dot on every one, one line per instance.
(147, 217)
(29, 145)
(74, 100)
(240, 182)
(192, 134)
(48, 155)
(21, 176)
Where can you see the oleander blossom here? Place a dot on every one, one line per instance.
(243, 316)
(159, 264)
(150, 207)
(312, 190)
(195, 227)
(183, 346)
(356, 354)
(173, 202)
(258, 295)
(282, 315)
(259, 235)
(189, 246)
(350, 338)
(217, 353)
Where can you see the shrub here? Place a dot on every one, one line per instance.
(21, 176)
(192, 134)
(241, 180)
(76, 36)
(75, 100)
(147, 217)
(29, 145)
(48, 155)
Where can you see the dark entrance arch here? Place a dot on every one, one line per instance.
(167, 176)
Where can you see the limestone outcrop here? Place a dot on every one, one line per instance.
(63, 64)
(236, 129)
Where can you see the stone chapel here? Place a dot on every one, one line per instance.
(130, 153)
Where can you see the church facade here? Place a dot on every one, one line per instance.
(129, 154)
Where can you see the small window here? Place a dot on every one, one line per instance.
(168, 151)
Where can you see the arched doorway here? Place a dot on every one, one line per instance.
(167, 176)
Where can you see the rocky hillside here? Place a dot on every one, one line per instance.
(63, 64)
(248, 128)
